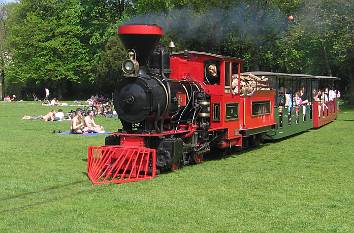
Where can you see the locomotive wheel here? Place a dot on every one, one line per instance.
(258, 139)
(198, 158)
(174, 166)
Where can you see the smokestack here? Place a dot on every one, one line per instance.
(142, 38)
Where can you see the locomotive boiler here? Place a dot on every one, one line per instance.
(146, 99)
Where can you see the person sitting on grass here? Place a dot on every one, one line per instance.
(91, 125)
(54, 102)
(7, 98)
(77, 123)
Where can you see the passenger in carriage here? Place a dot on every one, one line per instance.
(288, 100)
(298, 103)
(317, 98)
(325, 95)
(281, 104)
(316, 95)
(304, 101)
(332, 95)
(281, 96)
(324, 99)
(281, 99)
(303, 96)
(331, 98)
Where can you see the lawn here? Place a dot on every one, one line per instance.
(302, 184)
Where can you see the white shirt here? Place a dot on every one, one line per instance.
(59, 115)
(332, 95)
(46, 92)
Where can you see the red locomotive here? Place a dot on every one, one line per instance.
(175, 108)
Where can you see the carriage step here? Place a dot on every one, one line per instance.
(116, 164)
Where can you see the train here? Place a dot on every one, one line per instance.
(176, 107)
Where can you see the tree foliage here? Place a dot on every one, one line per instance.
(73, 43)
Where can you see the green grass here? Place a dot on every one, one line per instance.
(301, 184)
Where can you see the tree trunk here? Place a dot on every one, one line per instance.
(328, 67)
(350, 89)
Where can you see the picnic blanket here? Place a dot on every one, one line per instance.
(94, 134)
(84, 134)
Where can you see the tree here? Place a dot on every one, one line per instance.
(320, 42)
(74, 42)
(45, 37)
(3, 52)
(100, 21)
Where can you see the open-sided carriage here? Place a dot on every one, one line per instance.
(317, 105)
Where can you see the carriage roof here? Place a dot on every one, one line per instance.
(285, 75)
(327, 77)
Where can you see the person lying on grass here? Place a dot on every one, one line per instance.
(59, 115)
(91, 125)
(48, 117)
(77, 123)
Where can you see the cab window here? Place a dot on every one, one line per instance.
(212, 72)
(235, 78)
(227, 75)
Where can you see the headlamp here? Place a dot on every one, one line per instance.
(130, 66)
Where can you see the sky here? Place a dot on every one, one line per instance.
(6, 1)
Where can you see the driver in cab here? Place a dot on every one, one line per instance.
(212, 74)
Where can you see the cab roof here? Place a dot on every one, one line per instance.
(211, 55)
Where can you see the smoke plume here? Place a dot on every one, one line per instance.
(244, 22)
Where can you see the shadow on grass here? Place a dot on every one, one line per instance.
(237, 151)
(231, 153)
(42, 191)
(38, 203)
(31, 197)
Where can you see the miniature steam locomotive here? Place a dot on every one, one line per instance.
(176, 107)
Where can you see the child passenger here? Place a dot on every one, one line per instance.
(298, 102)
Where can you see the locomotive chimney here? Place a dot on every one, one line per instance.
(142, 38)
